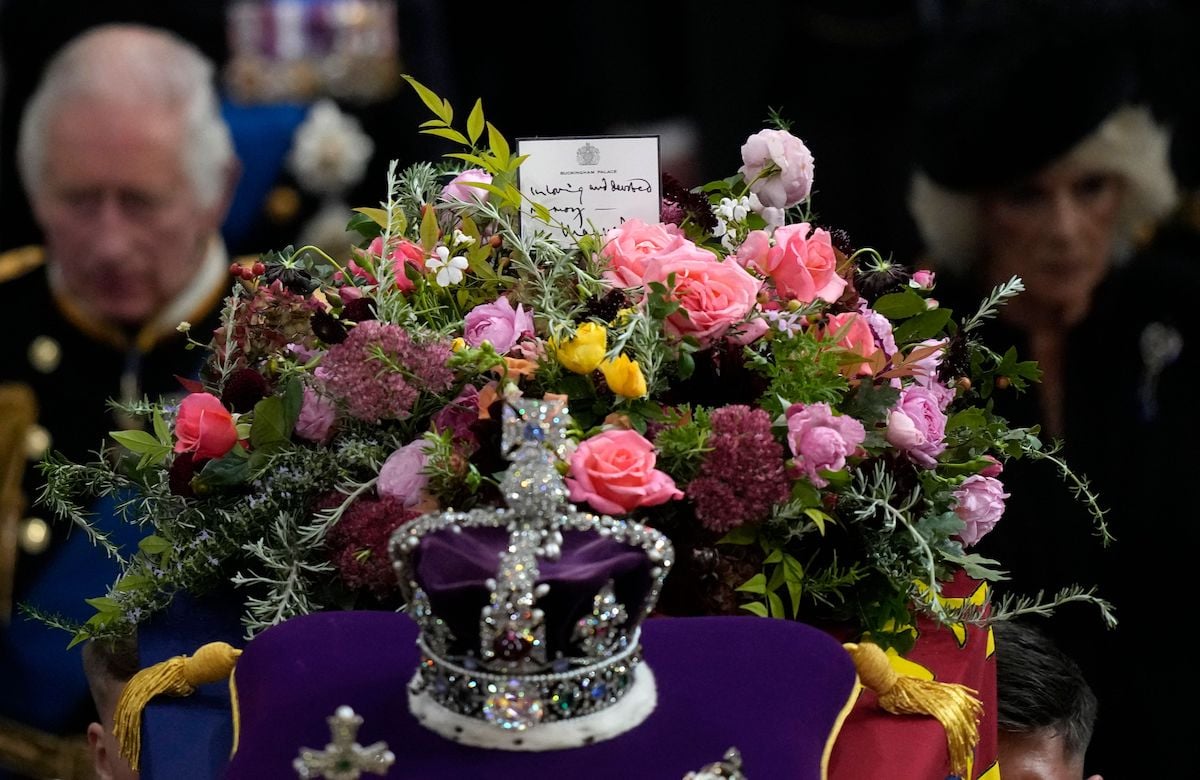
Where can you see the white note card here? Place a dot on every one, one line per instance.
(589, 184)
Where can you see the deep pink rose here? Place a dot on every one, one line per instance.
(994, 469)
(614, 473)
(803, 265)
(978, 502)
(792, 182)
(402, 252)
(204, 427)
(917, 426)
(400, 476)
(712, 295)
(854, 333)
(498, 323)
(821, 440)
(460, 189)
(629, 245)
(317, 414)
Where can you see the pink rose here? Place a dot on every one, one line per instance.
(804, 266)
(881, 328)
(917, 426)
(401, 475)
(614, 472)
(752, 254)
(925, 371)
(402, 252)
(853, 333)
(317, 414)
(821, 440)
(498, 323)
(629, 245)
(460, 188)
(204, 427)
(994, 469)
(791, 181)
(922, 279)
(979, 503)
(712, 295)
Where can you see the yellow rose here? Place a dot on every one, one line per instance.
(584, 353)
(624, 377)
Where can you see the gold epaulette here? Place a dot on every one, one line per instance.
(16, 262)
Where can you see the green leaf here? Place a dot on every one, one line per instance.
(475, 121)
(270, 426)
(923, 326)
(498, 145)
(474, 159)
(137, 441)
(775, 557)
(154, 545)
(222, 472)
(293, 400)
(756, 584)
(378, 216)
(757, 607)
(430, 233)
(776, 604)
(686, 365)
(104, 604)
(901, 305)
(439, 107)
(449, 134)
(161, 429)
(741, 535)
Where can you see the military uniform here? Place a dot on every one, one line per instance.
(74, 365)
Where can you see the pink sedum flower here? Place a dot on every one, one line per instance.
(979, 503)
(791, 182)
(317, 415)
(401, 477)
(460, 188)
(630, 245)
(917, 426)
(614, 473)
(498, 323)
(821, 440)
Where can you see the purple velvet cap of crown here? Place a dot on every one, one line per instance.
(453, 567)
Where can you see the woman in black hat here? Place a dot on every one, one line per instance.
(1038, 155)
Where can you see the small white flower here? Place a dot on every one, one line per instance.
(462, 239)
(449, 269)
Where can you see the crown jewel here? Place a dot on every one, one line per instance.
(530, 614)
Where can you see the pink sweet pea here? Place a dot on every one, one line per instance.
(979, 503)
(614, 472)
(628, 247)
(498, 323)
(792, 180)
(821, 440)
(712, 295)
(917, 426)
(460, 188)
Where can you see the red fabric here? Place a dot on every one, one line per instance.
(914, 747)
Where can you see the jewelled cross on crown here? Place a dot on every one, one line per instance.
(343, 758)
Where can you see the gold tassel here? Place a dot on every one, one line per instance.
(178, 676)
(955, 706)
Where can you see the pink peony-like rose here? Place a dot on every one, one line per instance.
(204, 427)
(979, 503)
(752, 254)
(791, 182)
(803, 265)
(460, 189)
(317, 415)
(498, 323)
(821, 440)
(628, 247)
(400, 477)
(853, 332)
(614, 472)
(917, 426)
(712, 295)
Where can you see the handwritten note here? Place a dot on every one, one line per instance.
(589, 184)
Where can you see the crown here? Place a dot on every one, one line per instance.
(530, 615)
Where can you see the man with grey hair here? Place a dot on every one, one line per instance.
(129, 168)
